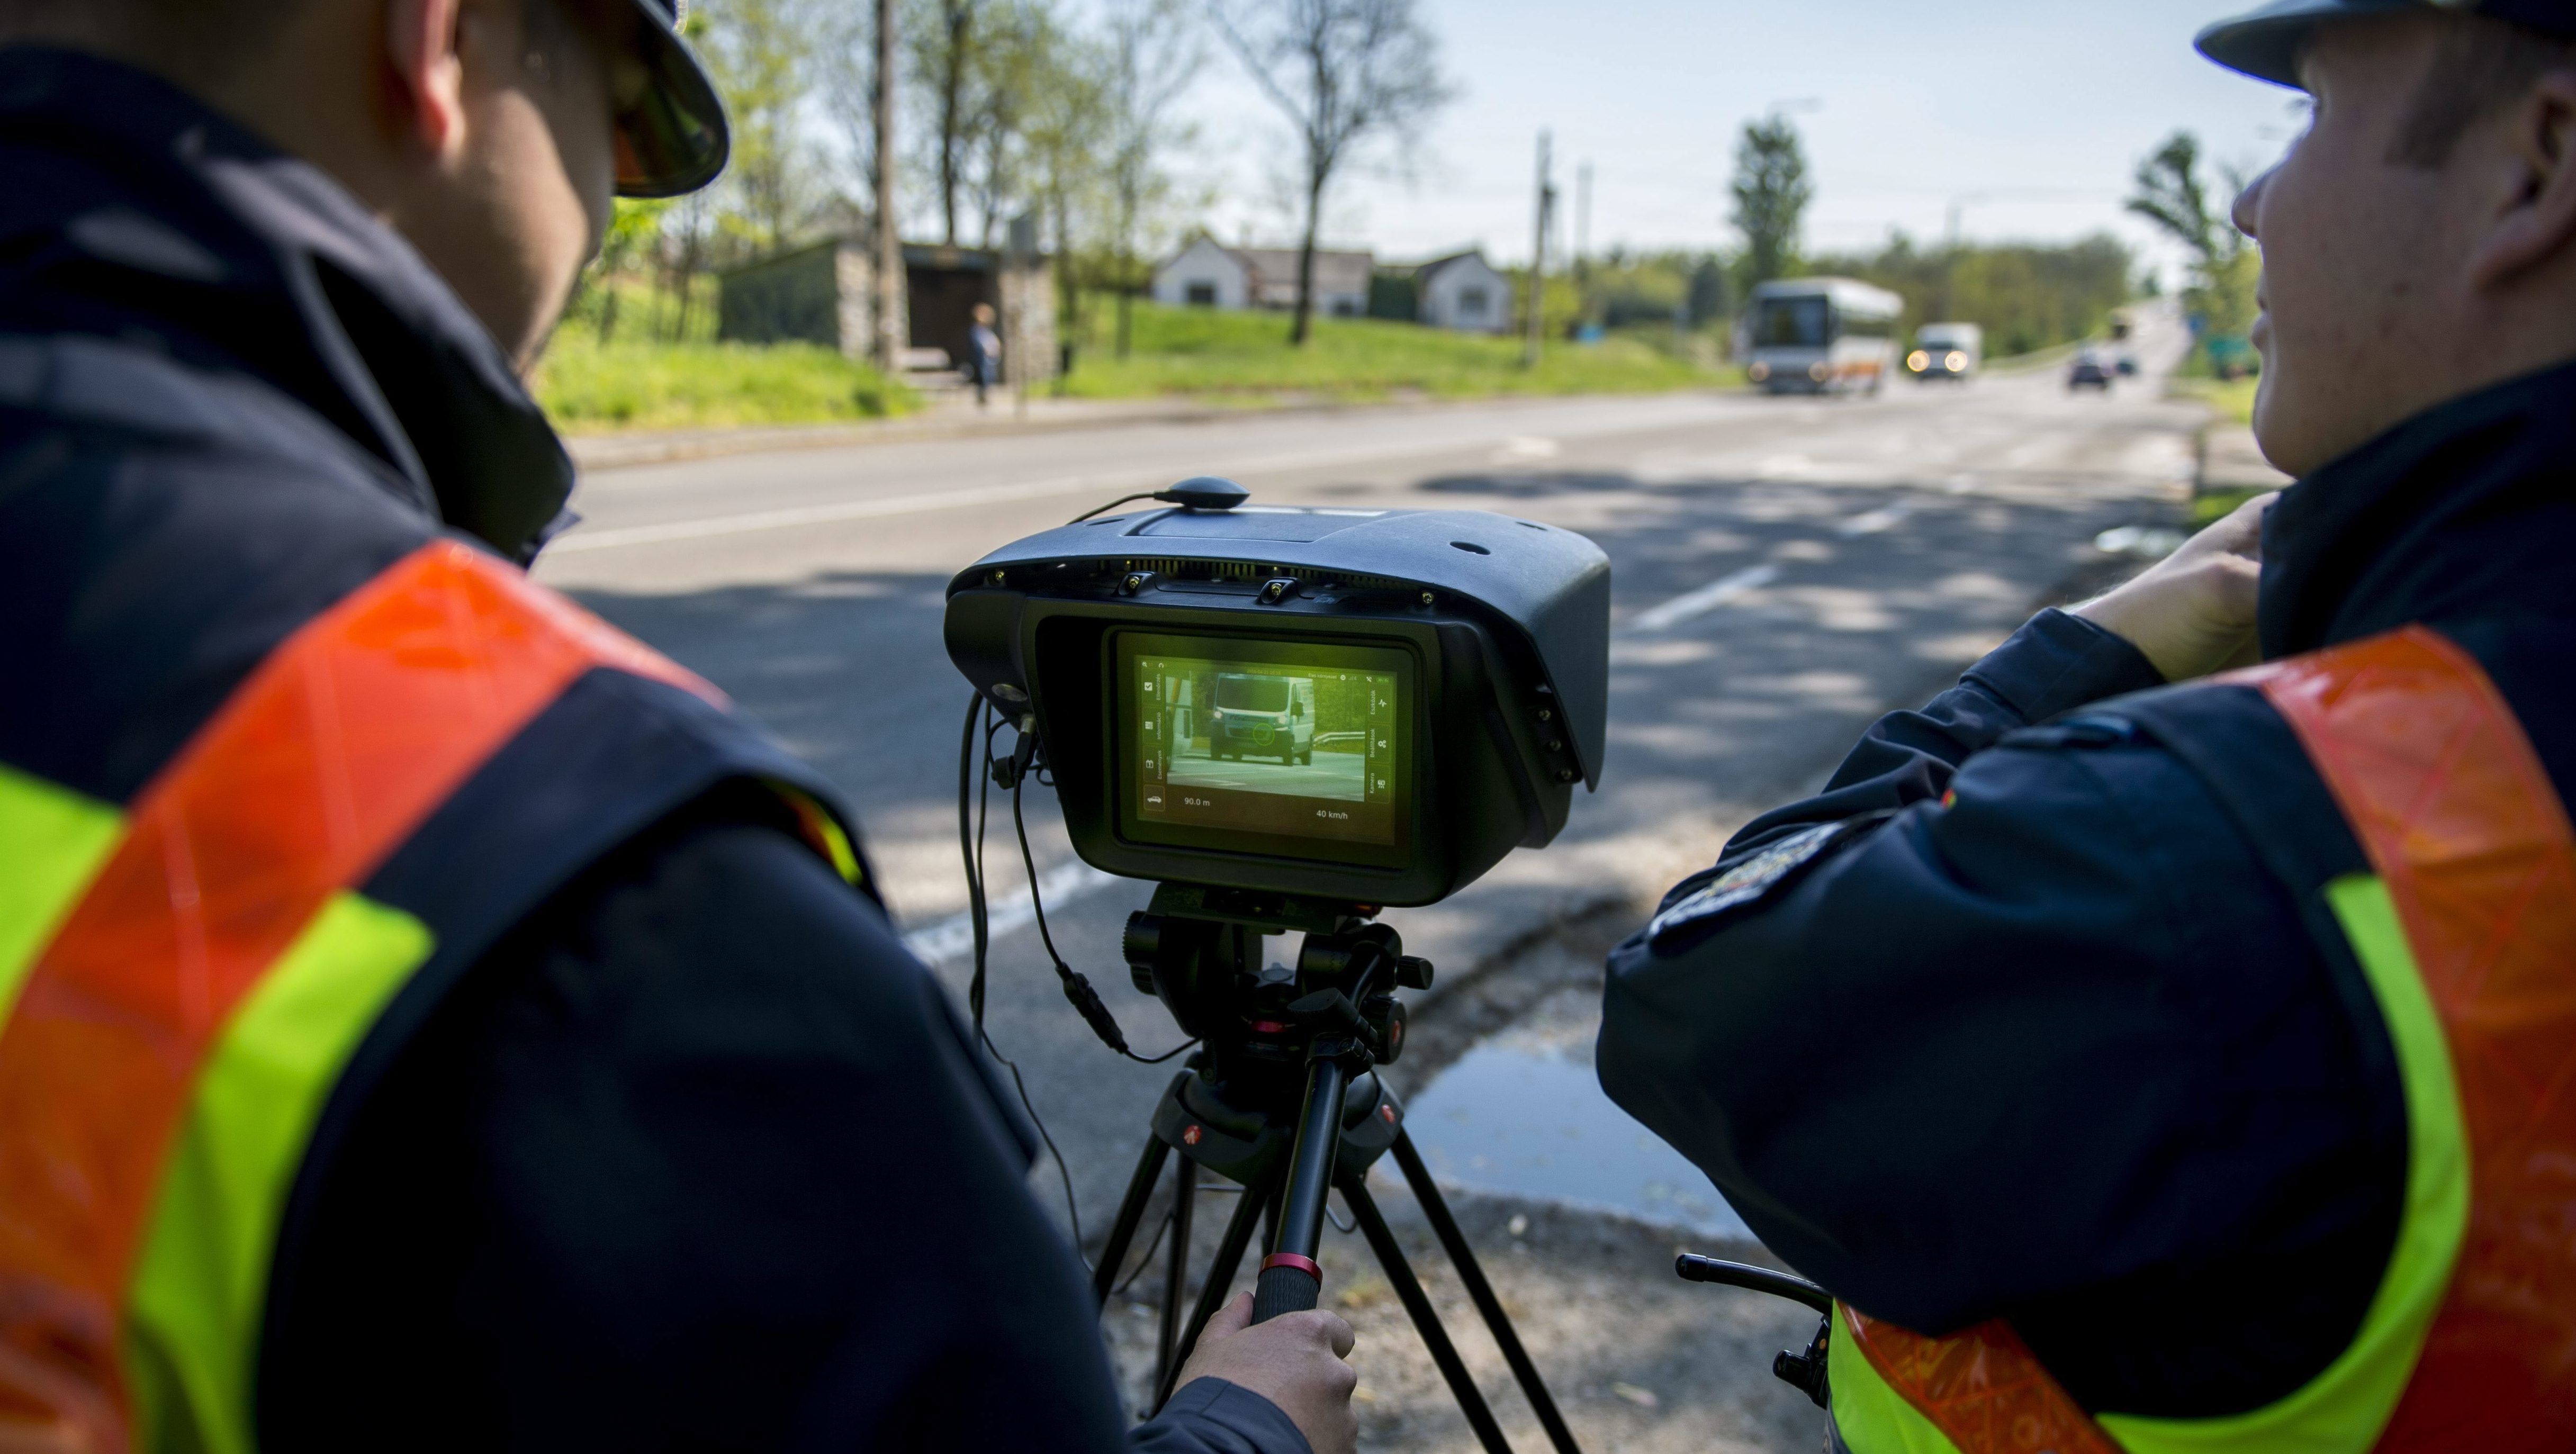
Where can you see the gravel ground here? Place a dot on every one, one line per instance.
(1637, 1359)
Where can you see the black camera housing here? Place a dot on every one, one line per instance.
(1496, 628)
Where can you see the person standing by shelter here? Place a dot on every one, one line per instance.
(2193, 1068)
(983, 352)
(428, 1018)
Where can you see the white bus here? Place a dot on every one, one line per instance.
(1820, 335)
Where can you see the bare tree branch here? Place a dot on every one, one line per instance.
(1345, 73)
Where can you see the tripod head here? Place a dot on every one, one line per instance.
(1200, 950)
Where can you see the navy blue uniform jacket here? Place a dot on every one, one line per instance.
(2067, 1049)
(698, 1157)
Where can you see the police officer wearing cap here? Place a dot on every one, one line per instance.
(428, 1018)
(2166, 1039)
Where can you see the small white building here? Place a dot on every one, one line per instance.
(1204, 275)
(1463, 292)
(1208, 274)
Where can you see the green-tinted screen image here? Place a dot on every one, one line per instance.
(1261, 738)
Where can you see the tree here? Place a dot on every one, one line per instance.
(942, 41)
(1707, 291)
(844, 82)
(1771, 196)
(886, 334)
(686, 230)
(2026, 296)
(2227, 267)
(2171, 196)
(1025, 75)
(758, 51)
(632, 228)
(1152, 54)
(1346, 73)
(1065, 84)
(856, 78)
(984, 69)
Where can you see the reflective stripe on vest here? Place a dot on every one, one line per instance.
(187, 987)
(2467, 934)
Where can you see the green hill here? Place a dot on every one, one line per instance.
(1207, 351)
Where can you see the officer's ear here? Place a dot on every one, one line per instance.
(2533, 224)
(423, 50)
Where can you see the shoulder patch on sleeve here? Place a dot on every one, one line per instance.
(1755, 879)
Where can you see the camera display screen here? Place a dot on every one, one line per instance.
(1290, 747)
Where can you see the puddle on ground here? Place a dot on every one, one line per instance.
(1523, 1115)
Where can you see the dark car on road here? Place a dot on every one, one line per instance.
(2089, 372)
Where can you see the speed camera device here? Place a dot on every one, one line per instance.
(1290, 720)
(1366, 706)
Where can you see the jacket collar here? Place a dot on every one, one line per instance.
(152, 217)
(2466, 510)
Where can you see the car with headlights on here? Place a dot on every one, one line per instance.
(1952, 351)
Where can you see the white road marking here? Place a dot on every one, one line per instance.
(1704, 600)
(1728, 589)
(1528, 446)
(579, 540)
(1875, 521)
(582, 540)
(2140, 542)
(954, 936)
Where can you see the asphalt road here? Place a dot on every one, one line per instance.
(1338, 775)
(1784, 570)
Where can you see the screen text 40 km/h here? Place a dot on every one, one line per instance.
(1268, 747)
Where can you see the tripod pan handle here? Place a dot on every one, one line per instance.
(1289, 1284)
(1695, 1268)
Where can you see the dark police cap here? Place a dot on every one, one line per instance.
(2265, 43)
(675, 138)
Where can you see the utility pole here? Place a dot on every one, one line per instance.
(1535, 305)
(1950, 253)
(1582, 216)
(1583, 239)
(1019, 260)
(887, 347)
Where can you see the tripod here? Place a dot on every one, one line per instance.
(1284, 1100)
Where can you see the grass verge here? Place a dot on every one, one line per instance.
(2233, 399)
(646, 380)
(2211, 506)
(587, 387)
(1245, 356)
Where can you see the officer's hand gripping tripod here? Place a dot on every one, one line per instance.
(1284, 1100)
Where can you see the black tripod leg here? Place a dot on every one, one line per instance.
(1185, 1186)
(1463, 1257)
(1426, 1319)
(1131, 1214)
(1220, 1279)
(1291, 1280)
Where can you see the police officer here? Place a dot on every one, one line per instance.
(2193, 1067)
(429, 1019)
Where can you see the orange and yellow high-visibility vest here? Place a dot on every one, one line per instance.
(185, 982)
(2466, 931)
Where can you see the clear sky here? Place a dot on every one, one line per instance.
(2032, 114)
